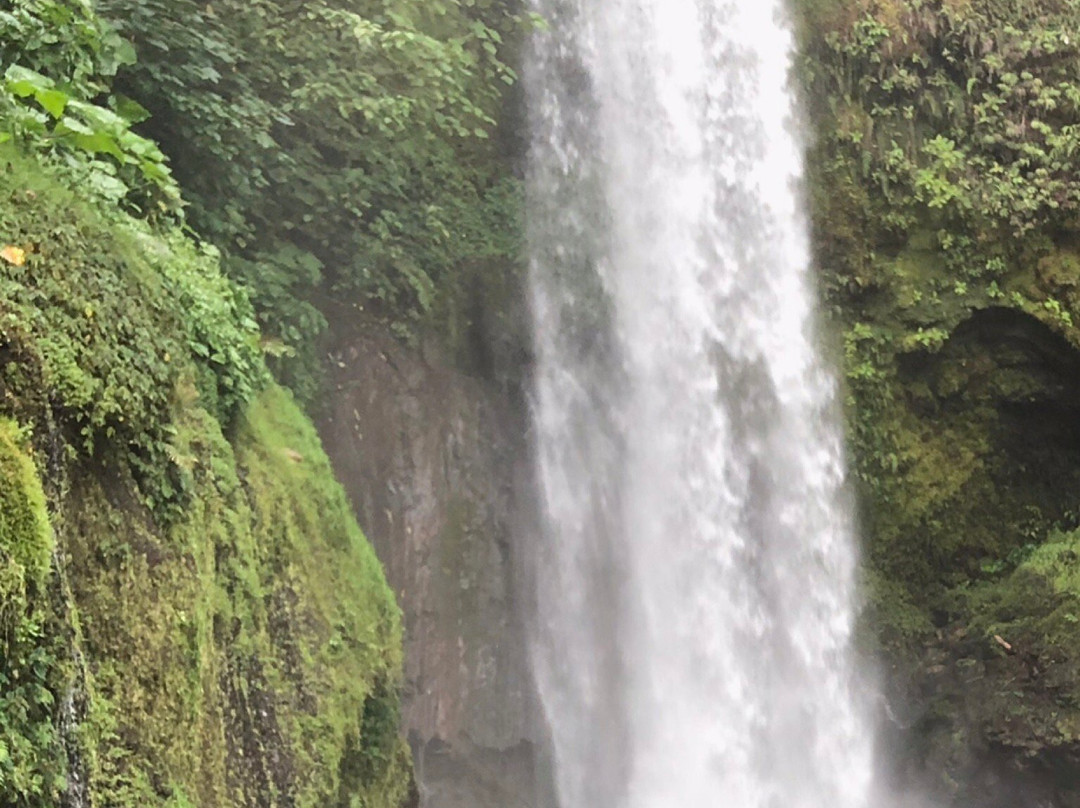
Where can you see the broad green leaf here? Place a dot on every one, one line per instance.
(69, 125)
(99, 117)
(131, 110)
(99, 143)
(24, 82)
(53, 101)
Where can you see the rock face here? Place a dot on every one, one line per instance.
(983, 682)
(434, 463)
(946, 231)
(189, 613)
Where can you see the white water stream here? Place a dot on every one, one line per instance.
(696, 579)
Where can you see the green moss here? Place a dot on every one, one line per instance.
(105, 317)
(1026, 625)
(29, 769)
(218, 631)
(945, 206)
(899, 624)
(326, 573)
(265, 665)
(26, 540)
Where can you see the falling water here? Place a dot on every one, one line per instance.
(695, 585)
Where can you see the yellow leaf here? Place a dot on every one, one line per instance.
(13, 255)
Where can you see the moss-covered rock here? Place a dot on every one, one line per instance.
(265, 637)
(210, 628)
(26, 540)
(29, 744)
(945, 196)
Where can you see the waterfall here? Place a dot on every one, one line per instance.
(695, 578)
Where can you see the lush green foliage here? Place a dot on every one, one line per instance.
(330, 151)
(102, 318)
(264, 663)
(946, 202)
(265, 629)
(57, 59)
(956, 117)
(332, 148)
(944, 183)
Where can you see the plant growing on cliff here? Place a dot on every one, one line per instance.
(946, 207)
(331, 148)
(29, 770)
(960, 117)
(56, 60)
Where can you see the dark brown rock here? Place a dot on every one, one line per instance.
(433, 462)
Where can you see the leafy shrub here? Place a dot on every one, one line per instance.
(57, 57)
(331, 147)
(958, 117)
(221, 333)
(103, 317)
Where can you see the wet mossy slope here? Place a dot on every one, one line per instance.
(945, 191)
(189, 614)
